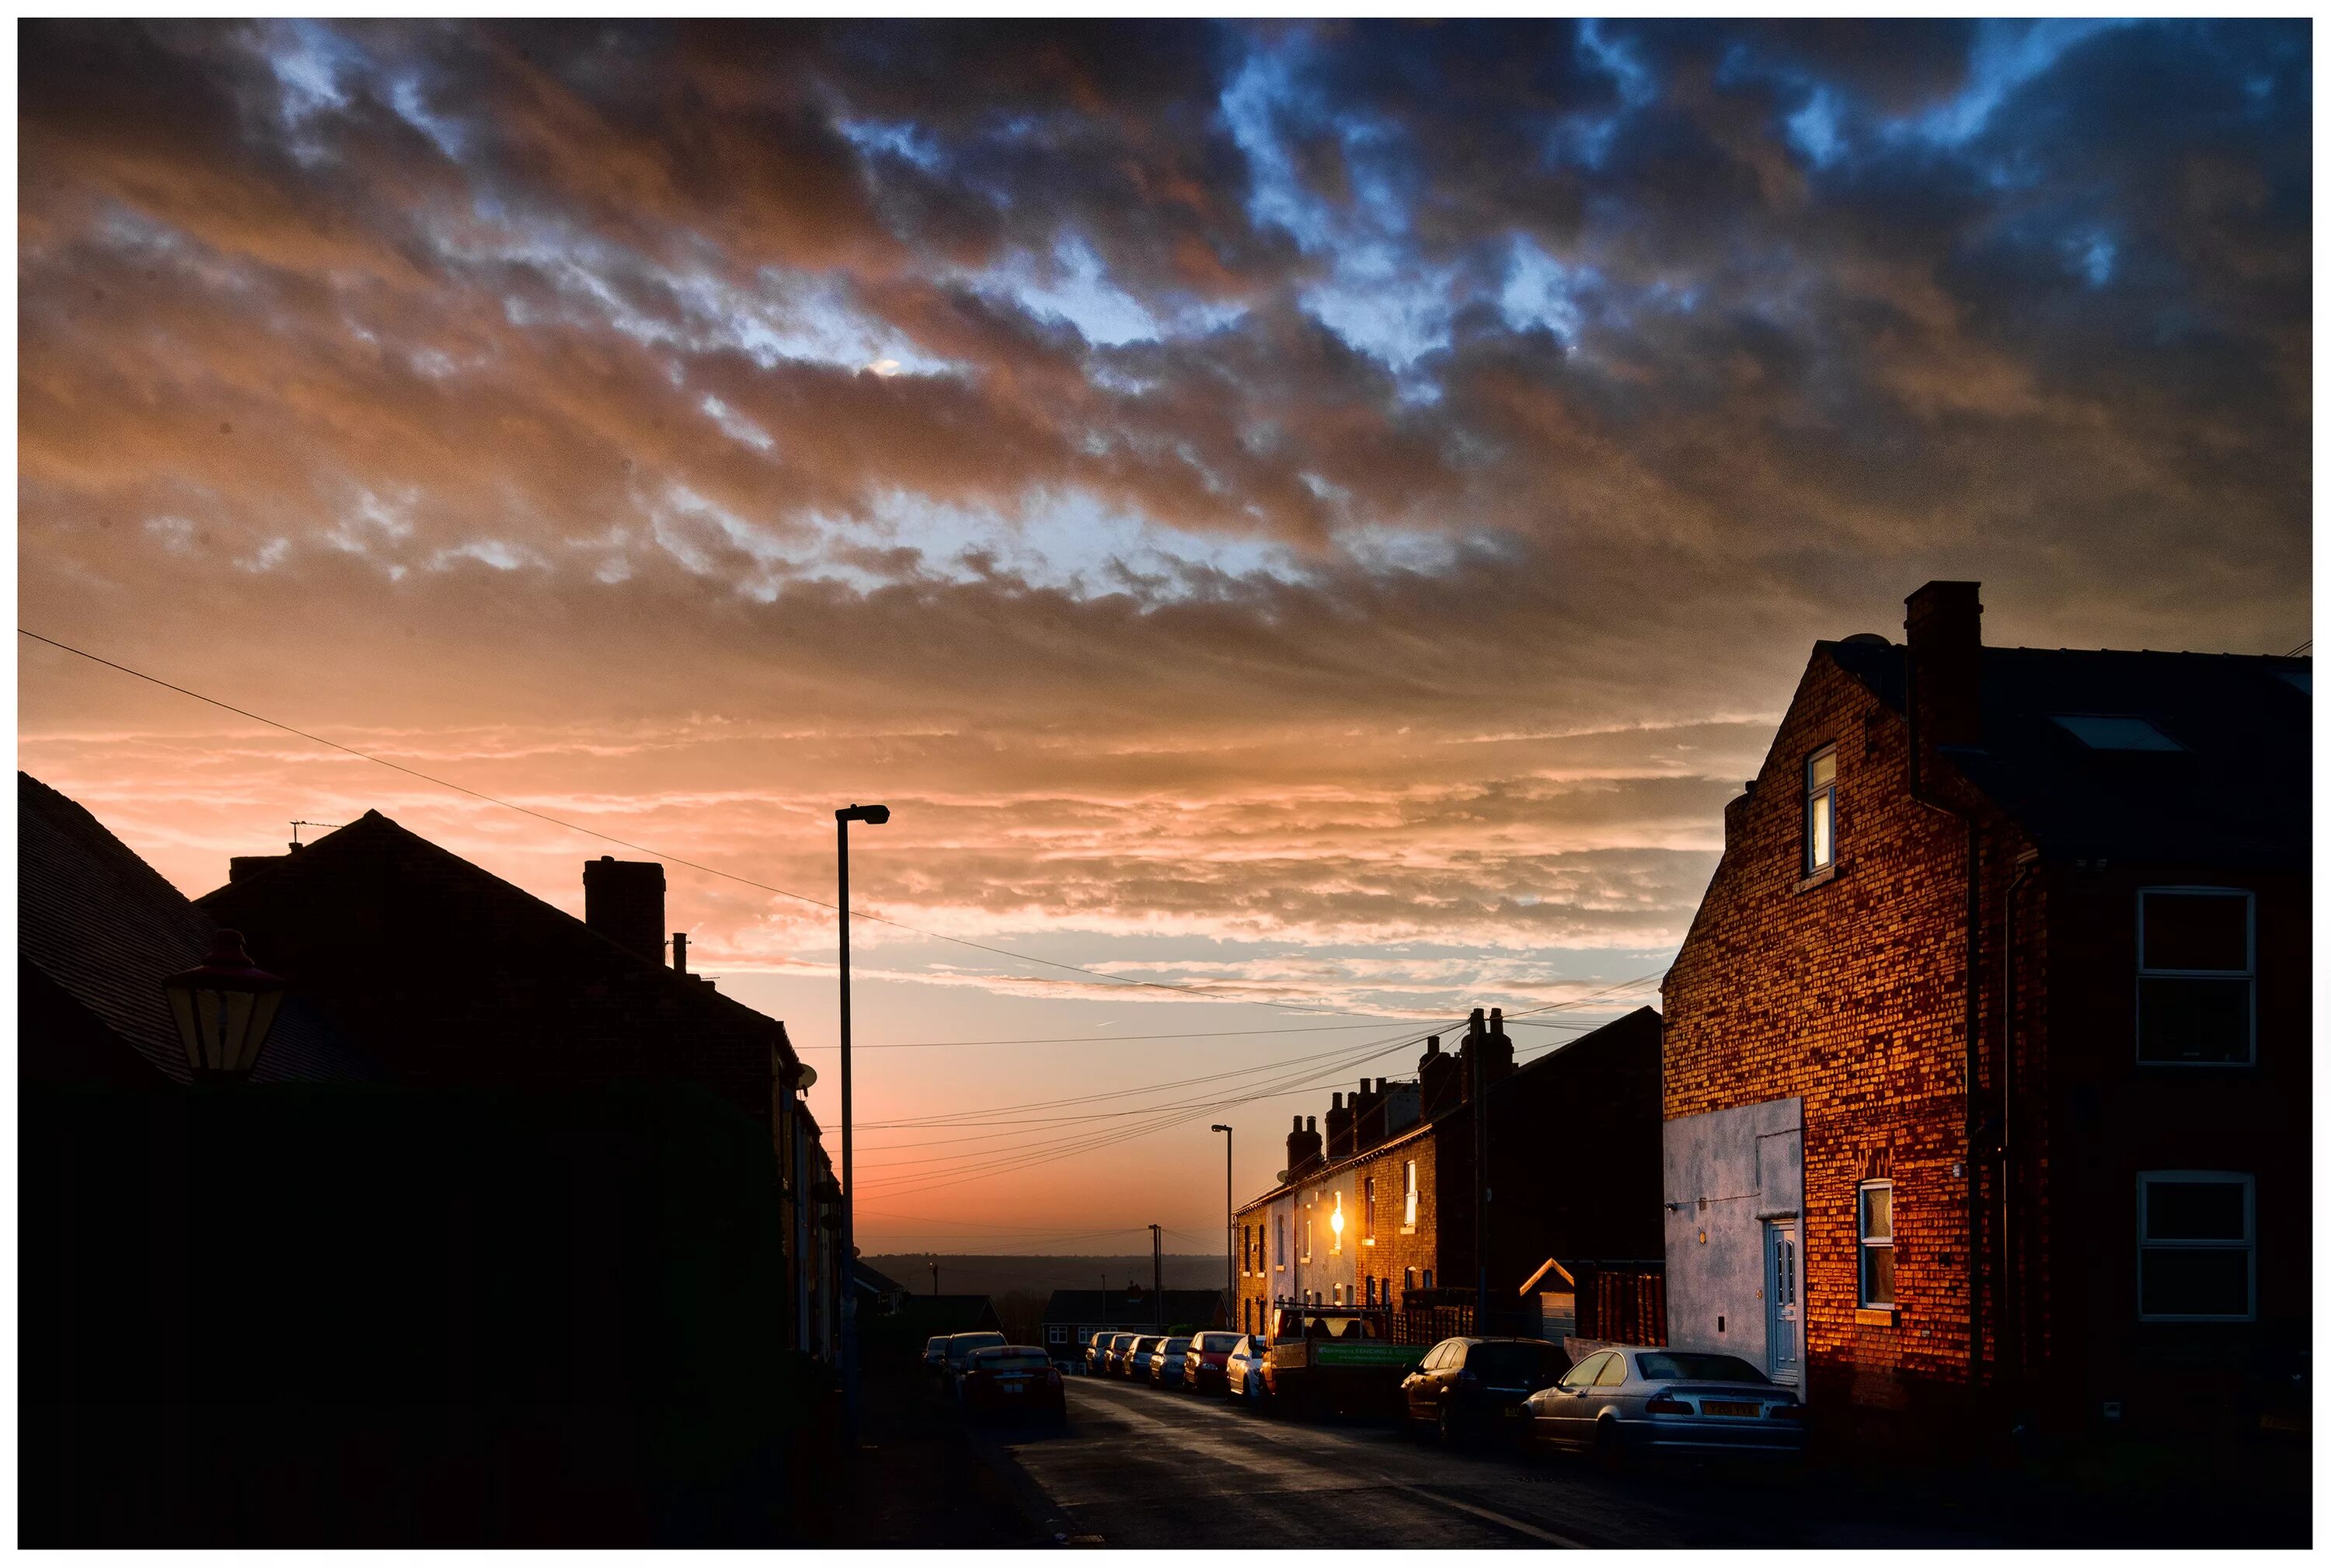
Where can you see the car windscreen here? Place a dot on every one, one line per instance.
(1221, 1342)
(1009, 1361)
(1699, 1366)
(1515, 1363)
(963, 1345)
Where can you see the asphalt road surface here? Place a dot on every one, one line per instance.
(1139, 1466)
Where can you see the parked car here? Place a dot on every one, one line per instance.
(1013, 1381)
(1134, 1363)
(1474, 1386)
(1119, 1345)
(1165, 1361)
(1617, 1404)
(1203, 1362)
(1242, 1369)
(959, 1347)
(935, 1354)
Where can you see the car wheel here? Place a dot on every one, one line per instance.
(1610, 1447)
(1446, 1424)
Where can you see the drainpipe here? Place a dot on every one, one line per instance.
(2010, 1317)
(1971, 1008)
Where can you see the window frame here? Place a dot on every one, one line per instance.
(2249, 975)
(2248, 1181)
(1806, 865)
(1863, 1246)
(1408, 1200)
(1368, 1211)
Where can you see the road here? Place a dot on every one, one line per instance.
(1139, 1466)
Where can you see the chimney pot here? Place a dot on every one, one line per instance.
(680, 950)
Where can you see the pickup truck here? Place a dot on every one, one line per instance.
(1335, 1359)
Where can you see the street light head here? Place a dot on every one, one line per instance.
(873, 816)
(1220, 1128)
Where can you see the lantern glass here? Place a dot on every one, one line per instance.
(224, 1010)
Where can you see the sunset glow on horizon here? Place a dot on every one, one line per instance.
(1320, 515)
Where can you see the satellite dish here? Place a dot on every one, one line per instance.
(808, 1075)
(1869, 639)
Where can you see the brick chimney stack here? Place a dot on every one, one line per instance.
(1303, 1148)
(1436, 1074)
(1339, 1129)
(1944, 627)
(623, 900)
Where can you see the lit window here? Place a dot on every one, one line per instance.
(1279, 1238)
(2196, 978)
(1336, 1225)
(2195, 1255)
(1368, 1209)
(1820, 810)
(2116, 731)
(1307, 1238)
(1408, 1197)
(1875, 1204)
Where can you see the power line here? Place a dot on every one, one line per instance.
(1194, 1034)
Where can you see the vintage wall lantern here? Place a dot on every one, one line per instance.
(225, 1008)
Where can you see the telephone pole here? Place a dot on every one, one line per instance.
(1158, 1273)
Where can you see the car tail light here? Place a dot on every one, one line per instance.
(1052, 1376)
(1667, 1405)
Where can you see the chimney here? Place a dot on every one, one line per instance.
(1736, 812)
(1436, 1075)
(1945, 663)
(1339, 1130)
(1303, 1148)
(238, 867)
(623, 900)
(1367, 1118)
(680, 950)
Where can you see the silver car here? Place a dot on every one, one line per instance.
(1616, 1403)
(1242, 1374)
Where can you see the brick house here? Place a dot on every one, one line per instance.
(1573, 1152)
(1987, 1062)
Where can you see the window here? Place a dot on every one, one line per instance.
(1583, 1375)
(1307, 1238)
(1368, 1211)
(2196, 975)
(2116, 731)
(1408, 1279)
(2195, 1257)
(1876, 1203)
(1056, 1333)
(1278, 1238)
(1408, 1197)
(1337, 1295)
(1820, 810)
(1428, 1279)
(1613, 1373)
(1335, 1224)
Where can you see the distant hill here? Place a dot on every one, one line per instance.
(995, 1275)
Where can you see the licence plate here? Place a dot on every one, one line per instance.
(1513, 1410)
(1727, 1407)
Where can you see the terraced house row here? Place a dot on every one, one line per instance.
(1979, 1098)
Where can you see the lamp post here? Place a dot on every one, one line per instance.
(225, 1008)
(872, 816)
(1230, 1232)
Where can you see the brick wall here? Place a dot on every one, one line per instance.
(1848, 993)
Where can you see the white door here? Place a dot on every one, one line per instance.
(1782, 1333)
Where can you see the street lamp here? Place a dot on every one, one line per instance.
(873, 817)
(225, 1008)
(1230, 1232)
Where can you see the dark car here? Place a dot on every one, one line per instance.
(1617, 1404)
(1004, 1381)
(1097, 1353)
(1165, 1366)
(935, 1354)
(1135, 1361)
(1465, 1387)
(1113, 1360)
(959, 1347)
(1205, 1364)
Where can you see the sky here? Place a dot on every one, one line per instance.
(1318, 515)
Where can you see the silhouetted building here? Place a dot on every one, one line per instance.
(1072, 1317)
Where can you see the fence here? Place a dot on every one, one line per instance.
(1625, 1304)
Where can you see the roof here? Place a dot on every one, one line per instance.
(1127, 1309)
(1612, 1033)
(935, 1315)
(2235, 790)
(873, 1278)
(105, 929)
(454, 975)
